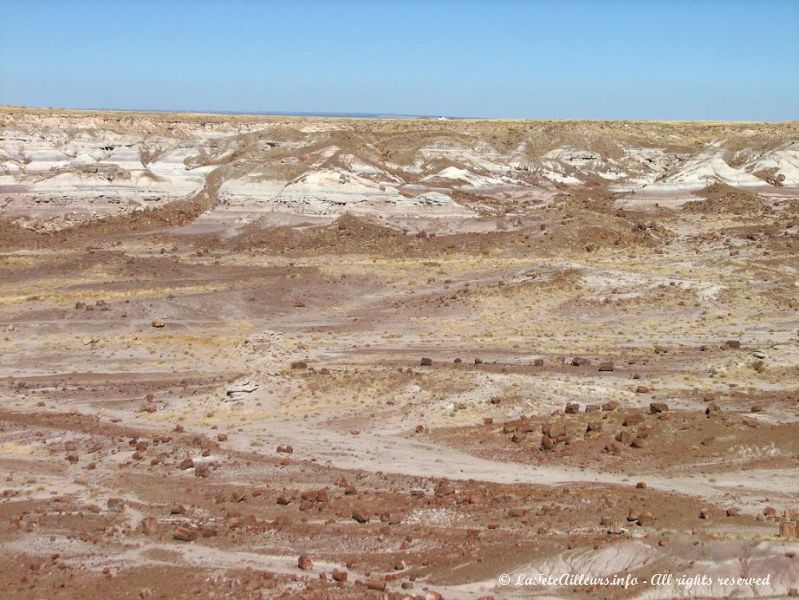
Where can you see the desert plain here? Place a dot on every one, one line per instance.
(295, 357)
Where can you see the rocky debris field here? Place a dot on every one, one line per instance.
(396, 397)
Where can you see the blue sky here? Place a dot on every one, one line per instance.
(633, 59)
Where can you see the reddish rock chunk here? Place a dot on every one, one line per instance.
(116, 504)
(632, 419)
(788, 529)
(426, 362)
(360, 514)
(624, 437)
(304, 562)
(658, 407)
(376, 584)
(149, 526)
(184, 534)
(338, 575)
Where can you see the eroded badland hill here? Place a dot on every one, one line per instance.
(256, 357)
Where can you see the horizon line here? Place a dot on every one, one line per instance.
(373, 115)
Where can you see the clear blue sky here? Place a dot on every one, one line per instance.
(733, 59)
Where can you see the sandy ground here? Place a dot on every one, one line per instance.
(418, 404)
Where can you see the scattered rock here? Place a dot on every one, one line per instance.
(632, 419)
(788, 529)
(304, 562)
(426, 362)
(116, 505)
(658, 407)
(360, 514)
(158, 323)
(184, 534)
(149, 525)
(646, 519)
(606, 366)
